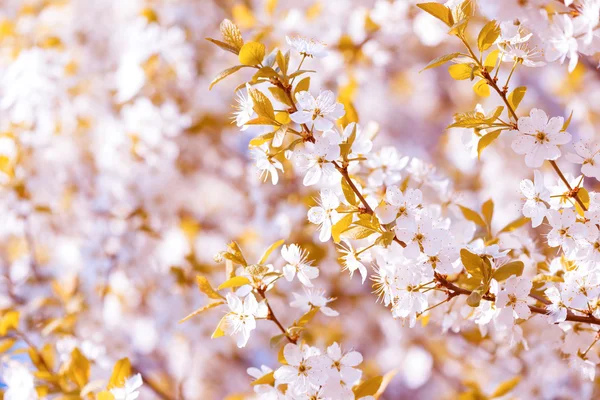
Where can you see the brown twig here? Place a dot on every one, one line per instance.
(271, 316)
(588, 319)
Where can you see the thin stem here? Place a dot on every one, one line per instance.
(344, 171)
(502, 93)
(456, 290)
(567, 184)
(510, 75)
(271, 316)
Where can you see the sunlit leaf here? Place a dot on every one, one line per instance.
(252, 53)
(439, 11)
(236, 281)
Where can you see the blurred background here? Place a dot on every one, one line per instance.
(122, 176)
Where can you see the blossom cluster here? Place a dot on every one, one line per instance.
(399, 216)
(123, 170)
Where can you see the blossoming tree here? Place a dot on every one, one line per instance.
(117, 198)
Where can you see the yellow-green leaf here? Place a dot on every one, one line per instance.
(261, 139)
(220, 330)
(486, 140)
(302, 86)
(252, 53)
(487, 210)
(231, 34)
(473, 263)
(262, 104)
(584, 196)
(201, 309)
(505, 271)
(105, 395)
(121, 371)
(474, 299)
(6, 345)
(368, 387)
(472, 215)
(439, 11)
(307, 317)
(340, 226)
(506, 387)
(224, 46)
(488, 35)
(358, 232)
(481, 88)
(491, 60)
(567, 122)
(349, 194)
(9, 321)
(224, 74)
(79, 368)
(268, 252)
(280, 95)
(236, 281)
(515, 97)
(460, 71)
(267, 379)
(207, 289)
(516, 224)
(441, 60)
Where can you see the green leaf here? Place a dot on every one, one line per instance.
(515, 97)
(441, 60)
(505, 271)
(368, 387)
(439, 11)
(472, 215)
(268, 252)
(236, 281)
(486, 140)
(252, 53)
(516, 224)
(488, 35)
(506, 387)
(340, 226)
(207, 289)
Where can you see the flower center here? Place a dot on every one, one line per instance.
(541, 137)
